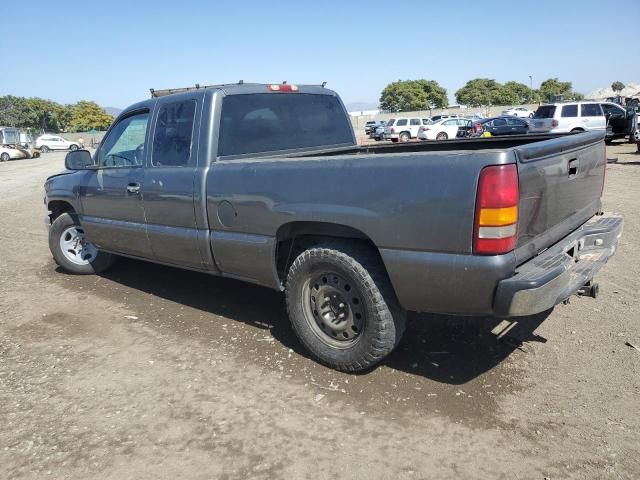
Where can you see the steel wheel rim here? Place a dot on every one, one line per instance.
(5, 157)
(75, 247)
(334, 309)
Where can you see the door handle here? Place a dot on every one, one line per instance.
(133, 188)
(573, 167)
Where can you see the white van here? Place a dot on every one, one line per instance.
(568, 117)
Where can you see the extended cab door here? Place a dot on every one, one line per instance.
(171, 180)
(112, 210)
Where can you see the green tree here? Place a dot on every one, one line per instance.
(617, 86)
(408, 95)
(520, 91)
(480, 92)
(552, 87)
(86, 115)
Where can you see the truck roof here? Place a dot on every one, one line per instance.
(227, 89)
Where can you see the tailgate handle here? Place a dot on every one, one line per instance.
(573, 167)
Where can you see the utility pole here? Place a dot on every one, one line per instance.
(531, 82)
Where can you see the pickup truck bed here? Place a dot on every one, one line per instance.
(265, 183)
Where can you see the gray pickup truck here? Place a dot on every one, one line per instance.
(265, 183)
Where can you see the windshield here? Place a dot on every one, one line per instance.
(267, 122)
(545, 111)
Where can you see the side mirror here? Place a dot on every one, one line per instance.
(78, 160)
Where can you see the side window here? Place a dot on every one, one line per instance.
(172, 136)
(499, 122)
(590, 110)
(124, 144)
(569, 111)
(448, 123)
(401, 123)
(415, 121)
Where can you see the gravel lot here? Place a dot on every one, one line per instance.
(152, 372)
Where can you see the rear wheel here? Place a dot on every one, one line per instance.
(342, 306)
(442, 136)
(404, 137)
(73, 147)
(44, 149)
(72, 251)
(5, 157)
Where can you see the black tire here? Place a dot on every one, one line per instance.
(5, 157)
(404, 137)
(531, 115)
(442, 136)
(98, 263)
(44, 149)
(73, 147)
(355, 272)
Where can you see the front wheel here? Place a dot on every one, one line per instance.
(5, 157)
(442, 136)
(72, 251)
(44, 149)
(342, 306)
(73, 147)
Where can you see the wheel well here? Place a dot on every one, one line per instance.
(58, 207)
(295, 237)
(577, 130)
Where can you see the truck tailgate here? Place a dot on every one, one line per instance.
(561, 184)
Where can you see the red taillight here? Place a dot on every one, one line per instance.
(283, 88)
(393, 130)
(554, 123)
(496, 217)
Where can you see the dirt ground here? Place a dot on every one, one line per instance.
(152, 372)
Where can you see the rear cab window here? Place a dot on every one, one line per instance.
(267, 122)
(545, 111)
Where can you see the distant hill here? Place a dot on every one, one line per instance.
(113, 111)
(361, 106)
(631, 90)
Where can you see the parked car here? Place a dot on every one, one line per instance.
(403, 129)
(371, 126)
(378, 133)
(270, 187)
(504, 126)
(54, 142)
(620, 121)
(11, 152)
(442, 129)
(568, 117)
(518, 112)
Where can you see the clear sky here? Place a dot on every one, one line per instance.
(112, 51)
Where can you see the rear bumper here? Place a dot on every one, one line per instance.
(559, 272)
(440, 282)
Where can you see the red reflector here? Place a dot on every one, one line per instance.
(498, 187)
(393, 130)
(554, 123)
(283, 88)
(494, 246)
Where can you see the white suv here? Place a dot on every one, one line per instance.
(403, 129)
(568, 117)
(53, 142)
